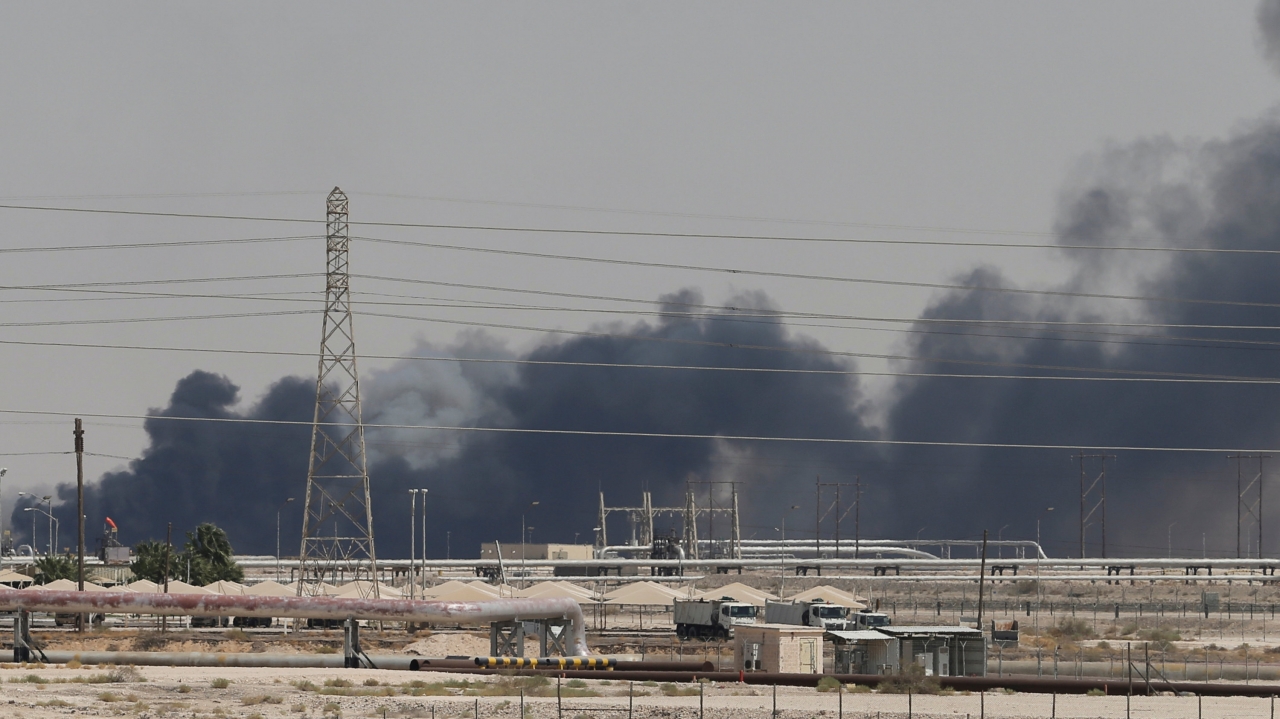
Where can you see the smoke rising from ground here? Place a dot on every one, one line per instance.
(1269, 31)
(1156, 192)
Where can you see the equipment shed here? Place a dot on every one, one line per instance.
(864, 652)
(777, 648)
(947, 651)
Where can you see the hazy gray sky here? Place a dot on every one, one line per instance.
(954, 115)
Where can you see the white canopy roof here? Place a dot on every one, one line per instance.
(66, 585)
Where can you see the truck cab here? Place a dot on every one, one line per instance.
(867, 619)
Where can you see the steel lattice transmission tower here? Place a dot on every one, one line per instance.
(337, 520)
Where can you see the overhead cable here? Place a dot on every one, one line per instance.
(1176, 378)
(667, 235)
(656, 435)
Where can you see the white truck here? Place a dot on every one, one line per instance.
(710, 618)
(814, 613)
(867, 619)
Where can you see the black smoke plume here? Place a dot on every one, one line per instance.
(1157, 193)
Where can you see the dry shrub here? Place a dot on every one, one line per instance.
(911, 680)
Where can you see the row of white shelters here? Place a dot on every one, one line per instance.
(739, 592)
(644, 594)
(830, 595)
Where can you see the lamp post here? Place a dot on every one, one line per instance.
(1039, 552)
(3, 472)
(33, 525)
(53, 525)
(1000, 538)
(53, 538)
(1169, 539)
(278, 510)
(423, 574)
(784, 521)
(413, 517)
(524, 533)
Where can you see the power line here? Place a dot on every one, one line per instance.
(737, 311)
(1179, 378)
(738, 316)
(668, 235)
(809, 277)
(651, 435)
(131, 320)
(154, 245)
(773, 348)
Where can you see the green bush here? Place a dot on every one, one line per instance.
(828, 684)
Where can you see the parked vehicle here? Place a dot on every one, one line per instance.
(711, 618)
(813, 613)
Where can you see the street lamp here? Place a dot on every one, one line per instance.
(413, 517)
(524, 533)
(1040, 551)
(784, 521)
(33, 524)
(278, 510)
(1169, 538)
(1000, 538)
(53, 526)
(3, 472)
(423, 575)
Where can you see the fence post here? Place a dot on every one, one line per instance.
(1053, 710)
(702, 693)
(840, 699)
(909, 695)
(521, 702)
(775, 700)
(982, 704)
(477, 707)
(559, 703)
(631, 698)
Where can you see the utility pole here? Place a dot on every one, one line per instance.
(857, 516)
(168, 547)
(1097, 488)
(78, 433)
(817, 517)
(1243, 506)
(817, 525)
(337, 473)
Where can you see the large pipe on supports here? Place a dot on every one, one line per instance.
(231, 659)
(1040, 685)
(217, 605)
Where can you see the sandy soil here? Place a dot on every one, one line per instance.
(159, 692)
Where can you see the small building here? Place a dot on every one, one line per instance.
(944, 651)
(864, 651)
(516, 552)
(777, 648)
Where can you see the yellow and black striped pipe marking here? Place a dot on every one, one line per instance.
(546, 662)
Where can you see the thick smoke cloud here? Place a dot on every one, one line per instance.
(1269, 31)
(480, 484)
(230, 473)
(1223, 194)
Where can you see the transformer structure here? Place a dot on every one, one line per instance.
(337, 518)
(642, 523)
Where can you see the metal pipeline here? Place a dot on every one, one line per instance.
(1020, 683)
(545, 662)
(428, 664)
(218, 605)
(211, 659)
